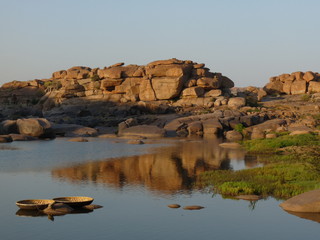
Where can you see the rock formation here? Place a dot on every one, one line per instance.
(159, 80)
(294, 83)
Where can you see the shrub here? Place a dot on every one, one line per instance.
(95, 78)
(239, 128)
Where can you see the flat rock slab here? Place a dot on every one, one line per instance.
(193, 207)
(78, 139)
(249, 197)
(144, 131)
(305, 202)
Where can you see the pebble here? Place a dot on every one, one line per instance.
(249, 197)
(174, 206)
(193, 207)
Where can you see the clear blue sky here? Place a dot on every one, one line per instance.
(246, 40)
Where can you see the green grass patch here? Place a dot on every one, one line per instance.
(283, 176)
(281, 180)
(276, 144)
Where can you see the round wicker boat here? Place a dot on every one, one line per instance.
(34, 204)
(75, 201)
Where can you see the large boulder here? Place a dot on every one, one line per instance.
(213, 93)
(212, 126)
(78, 72)
(59, 74)
(35, 127)
(274, 87)
(146, 91)
(299, 87)
(167, 87)
(234, 136)
(314, 87)
(118, 71)
(305, 202)
(236, 102)
(195, 128)
(226, 82)
(287, 87)
(109, 84)
(148, 131)
(193, 92)
(309, 76)
(209, 82)
(172, 70)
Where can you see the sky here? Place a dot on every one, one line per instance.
(247, 40)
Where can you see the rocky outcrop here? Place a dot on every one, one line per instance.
(305, 202)
(294, 83)
(158, 80)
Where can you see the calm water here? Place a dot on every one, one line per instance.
(135, 183)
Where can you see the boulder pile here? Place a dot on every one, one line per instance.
(294, 83)
(158, 80)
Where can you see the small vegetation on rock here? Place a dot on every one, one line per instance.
(239, 128)
(95, 78)
(52, 85)
(305, 97)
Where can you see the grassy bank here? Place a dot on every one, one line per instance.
(292, 166)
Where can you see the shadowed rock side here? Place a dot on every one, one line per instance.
(167, 171)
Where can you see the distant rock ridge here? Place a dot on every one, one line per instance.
(158, 80)
(294, 83)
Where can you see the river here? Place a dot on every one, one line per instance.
(134, 184)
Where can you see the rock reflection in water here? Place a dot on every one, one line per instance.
(310, 216)
(166, 170)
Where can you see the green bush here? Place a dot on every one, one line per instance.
(239, 128)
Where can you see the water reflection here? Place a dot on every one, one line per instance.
(38, 213)
(310, 216)
(167, 170)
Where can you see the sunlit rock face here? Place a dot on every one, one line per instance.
(166, 171)
(158, 80)
(294, 83)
